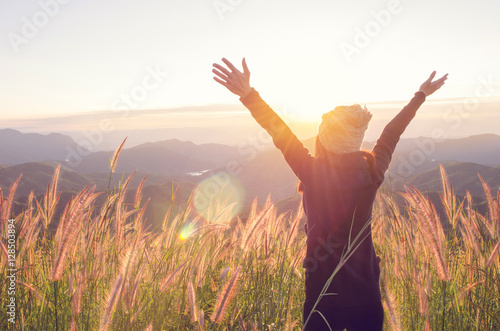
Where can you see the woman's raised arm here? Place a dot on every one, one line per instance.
(296, 155)
(394, 129)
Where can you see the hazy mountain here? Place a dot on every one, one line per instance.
(261, 171)
(413, 156)
(415, 161)
(168, 158)
(17, 147)
(37, 175)
(462, 175)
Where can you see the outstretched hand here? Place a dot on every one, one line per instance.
(429, 86)
(234, 80)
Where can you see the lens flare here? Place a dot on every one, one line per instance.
(187, 230)
(219, 198)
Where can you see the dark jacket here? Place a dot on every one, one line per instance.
(338, 195)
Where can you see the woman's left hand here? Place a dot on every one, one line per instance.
(234, 80)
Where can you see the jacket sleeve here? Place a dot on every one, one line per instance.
(296, 155)
(393, 130)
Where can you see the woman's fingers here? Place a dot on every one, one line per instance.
(221, 75)
(442, 79)
(230, 65)
(431, 77)
(245, 67)
(220, 81)
(221, 68)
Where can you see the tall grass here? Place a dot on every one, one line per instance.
(100, 269)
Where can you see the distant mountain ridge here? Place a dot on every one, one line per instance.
(18, 148)
(464, 176)
(262, 172)
(168, 158)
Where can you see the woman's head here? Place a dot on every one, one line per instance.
(342, 130)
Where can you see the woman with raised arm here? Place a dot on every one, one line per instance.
(338, 184)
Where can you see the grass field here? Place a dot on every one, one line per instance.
(100, 269)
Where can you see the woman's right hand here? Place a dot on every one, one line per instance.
(234, 80)
(429, 86)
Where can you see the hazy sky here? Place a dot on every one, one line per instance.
(305, 56)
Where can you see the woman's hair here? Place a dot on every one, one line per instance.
(320, 152)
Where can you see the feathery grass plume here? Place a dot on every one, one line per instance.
(423, 300)
(253, 227)
(111, 302)
(32, 228)
(138, 193)
(116, 155)
(427, 326)
(76, 297)
(2, 219)
(253, 210)
(493, 254)
(242, 325)
(449, 200)
(468, 289)
(127, 263)
(150, 327)
(72, 326)
(497, 224)
(492, 205)
(223, 274)
(50, 199)
(467, 231)
(121, 215)
(391, 306)
(31, 289)
(225, 297)
(201, 271)
(7, 204)
(166, 218)
(295, 224)
(191, 298)
(70, 226)
(5, 255)
(432, 229)
(132, 294)
(493, 208)
(201, 321)
(170, 278)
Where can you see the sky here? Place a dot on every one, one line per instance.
(64, 59)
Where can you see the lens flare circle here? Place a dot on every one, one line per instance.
(219, 198)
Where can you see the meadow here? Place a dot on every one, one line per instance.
(101, 269)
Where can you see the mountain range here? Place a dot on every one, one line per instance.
(260, 170)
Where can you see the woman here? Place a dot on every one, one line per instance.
(339, 184)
